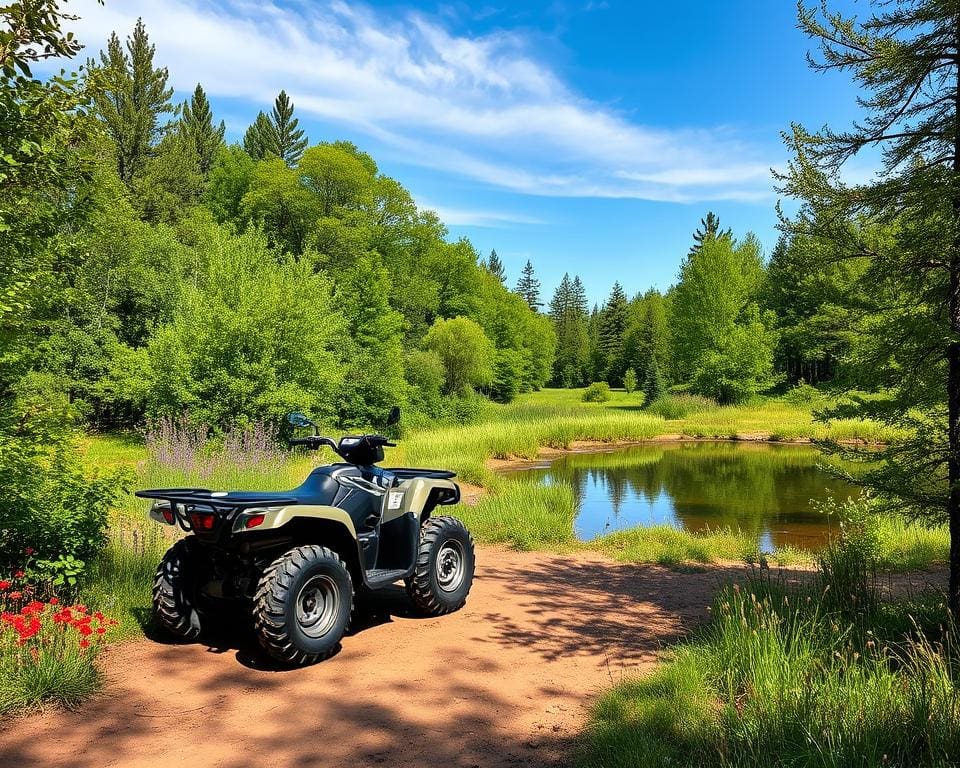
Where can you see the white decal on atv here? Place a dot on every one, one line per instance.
(358, 483)
(394, 499)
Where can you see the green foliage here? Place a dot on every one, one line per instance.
(653, 384)
(465, 351)
(129, 97)
(630, 380)
(612, 330)
(901, 226)
(50, 503)
(598, 392)
(721, 341)
(228, 181)
(277, 135)
(495, 267)
(170, 181)
(529, 287)
(196, 123)
(568, 310)
(256, 337)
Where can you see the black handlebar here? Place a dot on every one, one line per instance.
(316, 441)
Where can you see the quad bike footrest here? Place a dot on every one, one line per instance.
(380, 577)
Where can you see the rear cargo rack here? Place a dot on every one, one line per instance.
(213, 498)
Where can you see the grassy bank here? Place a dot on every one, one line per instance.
(529, 515)
(558, 418)
(822, 673)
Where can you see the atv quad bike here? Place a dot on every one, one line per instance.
(297, 558)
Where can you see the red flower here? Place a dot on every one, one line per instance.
(4, 585)
(19, 574)
(101, 630)
(29, 551)
(84, 629)
(84, 643)
(15, 595)
(34, 607)
(53, 601)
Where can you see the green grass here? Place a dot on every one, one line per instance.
(781, 676)
(524, 514)
(557, 418)
(121, 578)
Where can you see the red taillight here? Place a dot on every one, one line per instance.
(253, 521)
(202, 521)
(167, 516)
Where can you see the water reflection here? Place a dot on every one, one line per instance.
(761, 489)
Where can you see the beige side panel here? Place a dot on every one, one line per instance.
(415, 493)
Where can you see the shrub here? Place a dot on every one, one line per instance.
(630, 380)
(51, 504)
(803, 394)
(680, 406)
(598, 392)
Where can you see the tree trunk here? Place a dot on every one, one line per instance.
(953, 362)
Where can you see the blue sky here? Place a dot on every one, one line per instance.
(589, 136)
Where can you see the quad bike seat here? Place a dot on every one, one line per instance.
(409, 473)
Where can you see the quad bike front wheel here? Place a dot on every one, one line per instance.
(174, 593)
(303, 604)
(443, 575)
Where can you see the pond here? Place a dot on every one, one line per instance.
(759, 488)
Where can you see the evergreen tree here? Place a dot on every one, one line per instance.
(495, 267)
(259, 141)
(290, 140)
(568, 312)
(613, 326)
(276, 135)
(906, 58)
(653, 384)
(129, 97)
(529, 287)
(709, 228)
(196, 123)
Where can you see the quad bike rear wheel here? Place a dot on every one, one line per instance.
(443, 575)
(303, 604)
(174, 593)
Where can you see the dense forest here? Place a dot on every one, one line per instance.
(170, 272)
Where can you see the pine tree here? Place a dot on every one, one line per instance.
(291, 141)
(495, 267)
(259, 141)
(613, 326)
(276, 135)
(653, 385)
(529, 287)
(129, 98)
(709, 228)
(906, 58)
(196, 123)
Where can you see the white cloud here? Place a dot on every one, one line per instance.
(481, 107)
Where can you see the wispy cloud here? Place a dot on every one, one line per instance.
(469, 217)
(482, 107)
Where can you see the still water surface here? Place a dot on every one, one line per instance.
(760, 488)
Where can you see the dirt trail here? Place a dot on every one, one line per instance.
(504, 682)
